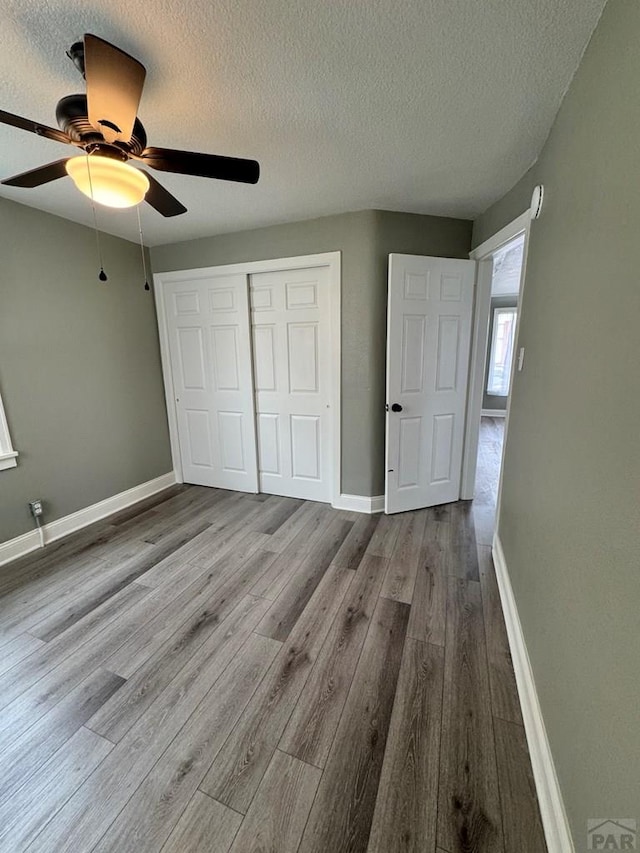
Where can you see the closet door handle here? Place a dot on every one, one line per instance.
(396, 407)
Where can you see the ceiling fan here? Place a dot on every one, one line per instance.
(104, 124)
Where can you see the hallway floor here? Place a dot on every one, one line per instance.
(211, 671)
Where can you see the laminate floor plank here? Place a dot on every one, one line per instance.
(287, 562)
(231, 532)
(204, 822)
(463, 554)
(200, 598)
(407, 805)
(270, 522)
(152, 812)
(356, 542)
(286, 609)
(198, 638)
(342, 812)
(64, 669)
(502, 680)
(60, 619)
(520, 813)
(7, 637)
(278, 814)
(203, 509)
(385, 536)
(312, 726)
(85, 818)
(165, 518)
(429, 602)
(27, 753)
(146, 504)
(16, 649)
(202, 517)
(142, 707)
(21, 611)
(26, 812)
(116, 579)
(405, 559)
(469, 814)
(52, 670)
(307, 516)
(15, 681)
(62, 678)
(54, 561)
(239, 767)
(169, 568)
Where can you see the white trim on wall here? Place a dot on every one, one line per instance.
(332, 260)
(552, 810)
(503, 236)
(21, 545)
(359, 503)
(8, 456)
(479, 337)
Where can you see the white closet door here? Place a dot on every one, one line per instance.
(210, 346)
(428, 339)
(292, 374)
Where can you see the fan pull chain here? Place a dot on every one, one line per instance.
(102, 274)
(144, 260)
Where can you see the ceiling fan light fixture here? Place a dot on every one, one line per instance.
(108, 181)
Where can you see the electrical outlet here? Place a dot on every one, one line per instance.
(36, 508)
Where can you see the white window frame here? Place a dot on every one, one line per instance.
(8, 456)
(494, 337)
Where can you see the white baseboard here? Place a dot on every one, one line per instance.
(494, 413)
(360, 503)
(554, 817)
(22, 545)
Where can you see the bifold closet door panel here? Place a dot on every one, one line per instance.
(292, 373)
(210, 348)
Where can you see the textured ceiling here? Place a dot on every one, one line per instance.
(428, 106)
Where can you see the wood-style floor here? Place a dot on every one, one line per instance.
(212, 672)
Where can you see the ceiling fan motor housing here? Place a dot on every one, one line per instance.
(72, 117)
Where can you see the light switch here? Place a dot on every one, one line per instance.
(520, 359)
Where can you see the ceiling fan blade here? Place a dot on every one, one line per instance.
(202, 165)
(161, 199)
(114, 88)
(34, 127)
(39, 176)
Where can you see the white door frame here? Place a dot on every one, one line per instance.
(332, 260)
(484, 255)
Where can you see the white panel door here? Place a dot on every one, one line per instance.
(428, 339)
(292, 374)
(210, 348)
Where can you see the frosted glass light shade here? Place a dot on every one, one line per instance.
(107, 181)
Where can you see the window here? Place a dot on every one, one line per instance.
(8, 455)
(502, 343)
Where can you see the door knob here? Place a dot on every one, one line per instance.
(396, 407)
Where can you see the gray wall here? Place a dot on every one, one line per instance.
(365, 240)
(570, 520)
(79, 368)
(492, 401)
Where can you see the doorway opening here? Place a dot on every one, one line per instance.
(501, 263)
(506, 276)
